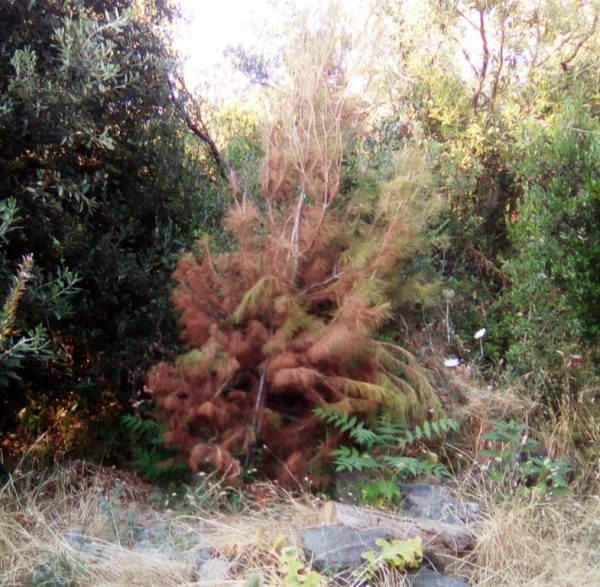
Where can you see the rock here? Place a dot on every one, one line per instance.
(436, 502)
(441, 541)
(214, 569)
(153, 541)
(44, 574)
(336, 547)
(75, 539)
(428, 578)
(347, 486)
(198, 556)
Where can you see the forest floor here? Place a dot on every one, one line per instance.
(82, 524)
(136, 535)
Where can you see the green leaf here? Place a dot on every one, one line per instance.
(427, 429)
(399, 554)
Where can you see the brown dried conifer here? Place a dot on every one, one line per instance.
(284, 323)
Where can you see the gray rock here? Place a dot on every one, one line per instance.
(153, 541)
(347, 486)
(149, 548)
(198, 556)
(154, 535)
(436, 502)
(337, 547)
(78, 541)
(215, 569)
(74, 538)
(45, 575)
(428, 578)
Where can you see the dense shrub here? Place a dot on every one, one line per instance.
(108, 186)
(554, 301)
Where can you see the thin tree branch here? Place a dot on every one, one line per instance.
(500, 66)
(564, 64)
(198, 127)
(485, 59)
(336, 275)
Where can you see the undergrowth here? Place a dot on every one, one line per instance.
(389, 452)
(153, 460)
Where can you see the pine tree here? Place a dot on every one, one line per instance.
(284, 323)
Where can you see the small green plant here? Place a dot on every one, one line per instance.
(398, 554)
(379, 452)
(519, 462)
(60, 570)
(296, 574)
(155, 462)
(15, 346)
(124, 522)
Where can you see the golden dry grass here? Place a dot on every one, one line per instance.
(38, 511)
(521, 543)
(528, 543)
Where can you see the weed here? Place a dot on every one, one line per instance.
(518, 461)
(398, 554)
(151, 457)
(296, 574)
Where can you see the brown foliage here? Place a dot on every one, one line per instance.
(283, 324)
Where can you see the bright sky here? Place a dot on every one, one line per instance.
(213, 25)
(210, 26)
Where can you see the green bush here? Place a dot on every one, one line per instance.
(98, 161)
(553, 315)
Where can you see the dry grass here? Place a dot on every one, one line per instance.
(38, 511)
(533, 544)
(525, 542)
(572, 432)
(521, 543)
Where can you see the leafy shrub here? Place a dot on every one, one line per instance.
(518, 463)
(18, 345)
(554, 303)
(101, 166)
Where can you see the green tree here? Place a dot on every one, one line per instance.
(491, 75)
(109, 185)
(554, 303)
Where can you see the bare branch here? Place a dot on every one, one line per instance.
(198, 127)
(565, 62)
(485, 59)
(500, 65)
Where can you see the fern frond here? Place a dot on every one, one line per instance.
(349, 459)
